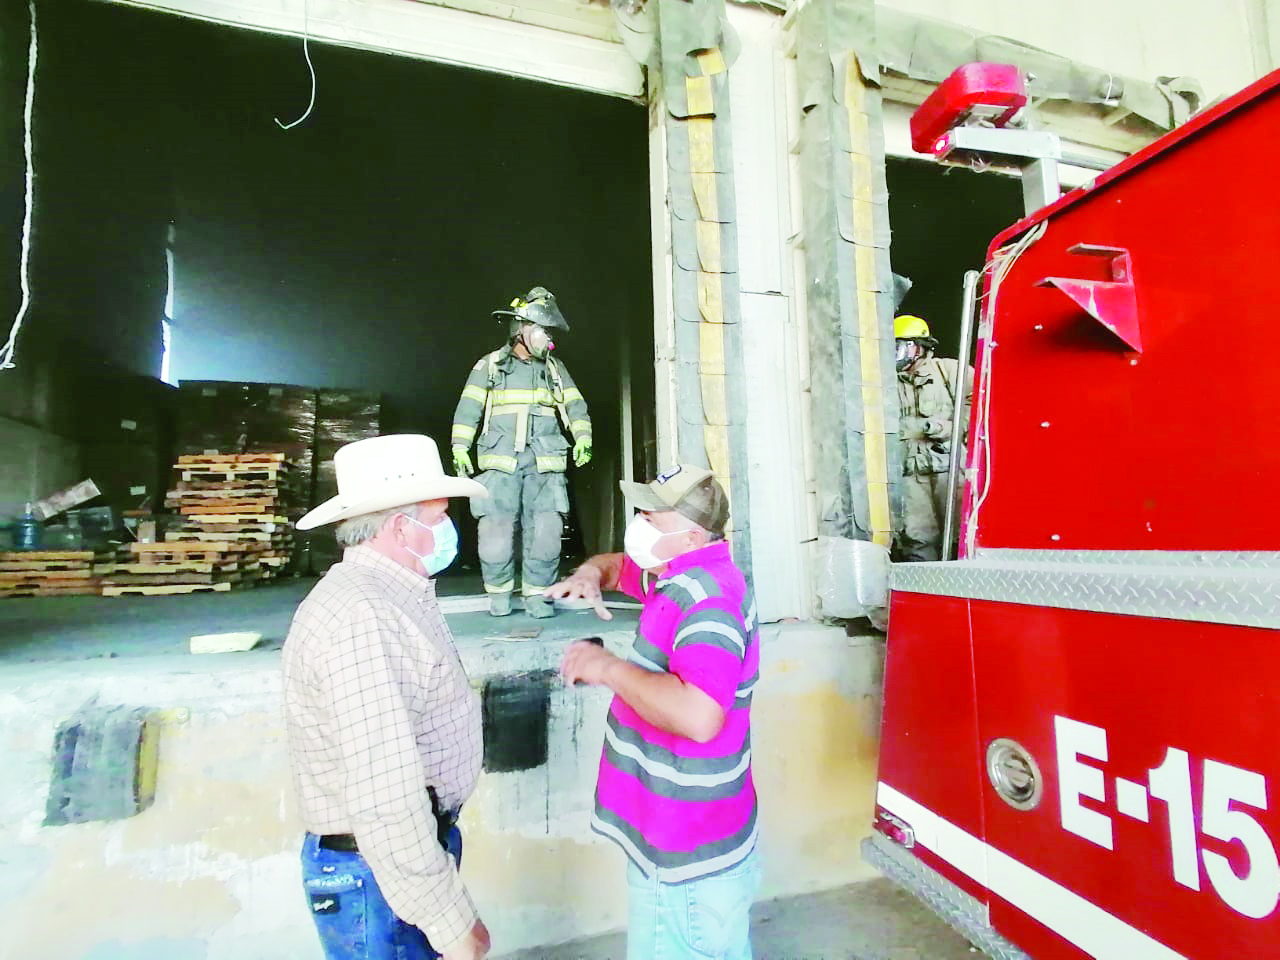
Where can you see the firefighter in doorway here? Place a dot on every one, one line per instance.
(518, 398)
(927, 387)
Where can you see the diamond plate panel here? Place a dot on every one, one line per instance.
(1152, 558)
(1239, 595)
(967, 916)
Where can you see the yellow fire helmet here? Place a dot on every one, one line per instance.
(909, 327)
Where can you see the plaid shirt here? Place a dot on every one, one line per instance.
(378, 709)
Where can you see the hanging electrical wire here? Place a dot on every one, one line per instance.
(1001, 263)
(10, 348)
(306, 52)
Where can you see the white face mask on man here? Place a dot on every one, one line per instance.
(640, 539)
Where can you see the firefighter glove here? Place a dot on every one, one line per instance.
(462, 462)
(913, 428)
(581, 453)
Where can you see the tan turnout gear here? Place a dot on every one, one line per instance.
(926, 398)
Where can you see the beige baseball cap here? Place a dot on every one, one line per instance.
(690, 491)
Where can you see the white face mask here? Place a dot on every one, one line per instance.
(640, 539)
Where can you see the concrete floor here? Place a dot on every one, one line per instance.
(875, 920)
(42, 629)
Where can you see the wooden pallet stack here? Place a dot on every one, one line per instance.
(233, 529)
(236, 498)
(52, 573)
(160, 569)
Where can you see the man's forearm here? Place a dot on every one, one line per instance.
(666, 701)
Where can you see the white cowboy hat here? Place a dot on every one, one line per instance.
(385, 472)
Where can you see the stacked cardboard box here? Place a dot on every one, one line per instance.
(342, 417)
(307, 424)
(125, 431)
(220, 418)
(52, 573)
(98, 420)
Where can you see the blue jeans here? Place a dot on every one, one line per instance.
(708, 919)
(351, 915)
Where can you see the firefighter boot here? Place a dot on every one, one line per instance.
(499, 604)
(539, 607)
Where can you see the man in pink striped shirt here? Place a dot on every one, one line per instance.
(675, 788)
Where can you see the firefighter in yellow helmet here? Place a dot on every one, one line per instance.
(927, 391)
(515, 407)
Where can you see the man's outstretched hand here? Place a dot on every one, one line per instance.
(582, 584)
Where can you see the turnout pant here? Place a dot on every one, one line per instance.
(924, 511)
(537, 503)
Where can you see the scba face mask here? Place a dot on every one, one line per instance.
(640, 539)
(537, 341)
(445, 551)
(905, 353)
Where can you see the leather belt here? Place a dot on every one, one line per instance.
(343, 842)
(346, 842)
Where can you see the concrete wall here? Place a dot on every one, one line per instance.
(211, 870)
(1266, 21)
(1139, 38)
(779, 506)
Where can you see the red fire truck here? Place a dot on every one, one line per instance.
(1081, 733)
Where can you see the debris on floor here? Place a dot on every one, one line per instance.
(225, 642)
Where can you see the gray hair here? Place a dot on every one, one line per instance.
(690, 526)
(356, 530)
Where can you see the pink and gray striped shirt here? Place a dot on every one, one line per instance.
(680, 809)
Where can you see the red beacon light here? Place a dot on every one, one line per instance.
(990, 93)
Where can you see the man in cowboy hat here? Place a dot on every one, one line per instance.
(383, 727)
(515, 405)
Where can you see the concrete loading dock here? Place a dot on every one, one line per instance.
(209, 869)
